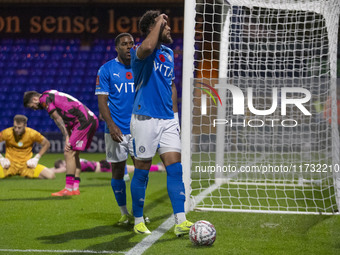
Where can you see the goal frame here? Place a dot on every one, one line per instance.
(188, 89)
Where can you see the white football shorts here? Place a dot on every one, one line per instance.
(152, 134)
(118, 152)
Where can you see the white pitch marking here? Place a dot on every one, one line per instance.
(61, 251)
(163, 228)
(138, 248)
(151, 239)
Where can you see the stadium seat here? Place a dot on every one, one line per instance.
(63, 72)
(33, 80)
(63, 81)
(82, 55)
(63, 64)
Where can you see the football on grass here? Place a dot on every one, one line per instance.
(202, 233)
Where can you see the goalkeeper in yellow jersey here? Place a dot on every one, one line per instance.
(19, 141)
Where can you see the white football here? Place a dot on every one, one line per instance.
(202, 233)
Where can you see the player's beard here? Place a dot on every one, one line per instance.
(18, 136)
(164, 38)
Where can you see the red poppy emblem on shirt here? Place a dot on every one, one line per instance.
(128, 75)
(162, 58)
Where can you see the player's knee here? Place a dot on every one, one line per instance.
(69, 154)
(118, 170)
(170, 157)
(144, 164)
(174, 170)
(117, 174)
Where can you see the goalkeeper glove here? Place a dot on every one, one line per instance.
(5, 163)
(33, 162)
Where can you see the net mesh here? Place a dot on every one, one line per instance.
(276, 154)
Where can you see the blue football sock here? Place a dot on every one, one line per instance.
(175, 187)
(146, 182)
(119, 189)
(125, 171)
(138, 187)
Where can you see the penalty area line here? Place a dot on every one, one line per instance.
(61, 251)
(151, 239)
(164, 227)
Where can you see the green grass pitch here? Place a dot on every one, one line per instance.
(33, 221)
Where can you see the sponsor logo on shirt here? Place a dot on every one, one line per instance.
(163, 69)
(79, 144)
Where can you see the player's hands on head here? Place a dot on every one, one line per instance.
(5, 163)
(163, 18)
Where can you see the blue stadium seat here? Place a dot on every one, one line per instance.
(9, 72)
(96, 56)
(82, 55)
(58, 48)
(74, 89)
(99, 42)
(79, 64)
(92, 72)
(3, 56)
(33, 41)
(76, 81)
(52, 65)
(36, 71)
(34, 80)
(99, 48)
(42, 55)
(50, 72)
(7, 41)
(20, 41)
(78, 72)
(46, 41)
(6, 82)
(56, 56)
(24, 64)
(48, 81)
(94, 65)
(72, 48)
(62, 64)
(4, 48)
(66, 64)
(68, 56)
(62, 81)
(64, 72)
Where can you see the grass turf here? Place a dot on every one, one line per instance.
(32, 219)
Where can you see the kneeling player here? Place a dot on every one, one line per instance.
(19, 141)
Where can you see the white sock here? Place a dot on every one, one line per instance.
(179, 218)
(123, 210)
(138, 220)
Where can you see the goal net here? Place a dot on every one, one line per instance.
(260, 131)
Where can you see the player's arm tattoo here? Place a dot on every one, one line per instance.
(60, 123)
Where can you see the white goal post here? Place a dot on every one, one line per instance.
(259, 106)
